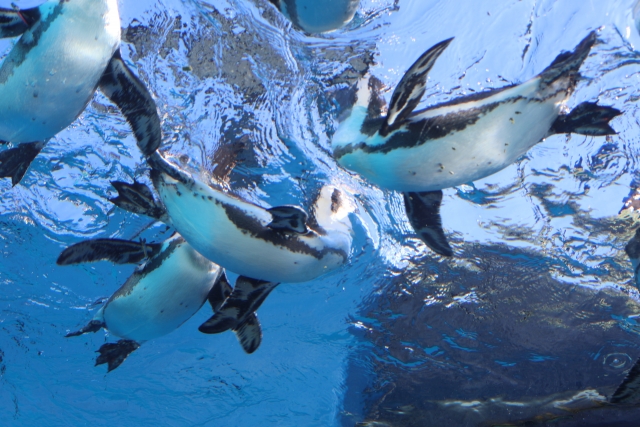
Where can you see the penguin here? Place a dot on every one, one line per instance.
(315, 16)
(161, 294)
(419, 153)
(264, 246)
(67, 49)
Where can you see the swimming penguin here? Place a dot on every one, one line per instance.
(422, 152)
(68, 48)
(315, 16)
(265, 246)
(160, 295)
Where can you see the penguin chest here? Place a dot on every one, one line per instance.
(156, 303)
(457, 146)
(234, 234)
(51, 73)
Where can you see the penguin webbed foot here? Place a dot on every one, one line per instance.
(423, 212)
(113, 354)
(219, 292)
(14, 162)
(137, 198)
(237, 312)
(588, 118)
(290, 219)
(115, 250)
(92, 326)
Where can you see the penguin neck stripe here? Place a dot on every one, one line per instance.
(252, 227)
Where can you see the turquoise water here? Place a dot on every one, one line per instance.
(537, 308)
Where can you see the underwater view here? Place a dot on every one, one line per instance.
(374, 213)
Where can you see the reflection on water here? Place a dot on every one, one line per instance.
(491, 341)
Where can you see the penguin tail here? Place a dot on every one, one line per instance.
(563, 71)
(14, 162)
(113, 354)
(237, 311)
(137, 198)
(587, 118)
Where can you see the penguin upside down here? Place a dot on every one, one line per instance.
(162, 293)
(67, 49)
(419, 153)
(265, 246)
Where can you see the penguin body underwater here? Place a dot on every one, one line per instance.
(315, 16)
(67, 49)
(263, 246)
(419, 153)
(161, 294)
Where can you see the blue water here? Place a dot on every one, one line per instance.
(536, 308)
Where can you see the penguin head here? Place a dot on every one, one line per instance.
(332, 208)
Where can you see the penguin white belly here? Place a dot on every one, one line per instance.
(494, 141)
(45, 86)
(205, 219)
(162, 300)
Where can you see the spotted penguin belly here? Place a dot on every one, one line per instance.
(494, 141)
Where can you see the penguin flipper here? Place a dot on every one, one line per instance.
(14, 22)
(588, 118)
(629, 390)
(14, 162)
(137, 198)
(113, 354)
(120, 85)
(247, 296)
(412, 86)
(93, 326)
(114, 250)
(567, 65)
(290, 219)
(249, 333)
(423, 211)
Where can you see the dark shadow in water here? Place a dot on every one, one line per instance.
(496, 341)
